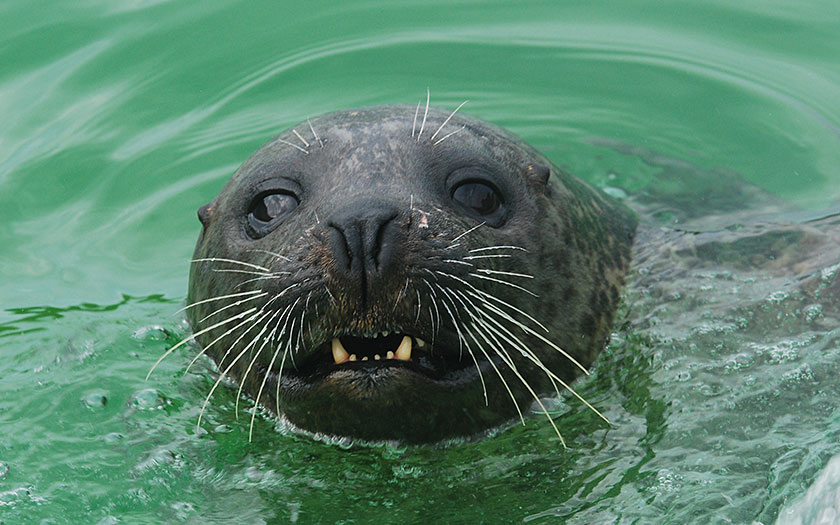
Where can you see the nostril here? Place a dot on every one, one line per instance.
(384, 243)
(342, 252)
(364, 239)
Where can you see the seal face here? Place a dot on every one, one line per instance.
(389, 278)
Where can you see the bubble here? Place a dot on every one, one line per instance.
(95, 400)
(113, 437)
(151, 333)
(147, 399)
(4, 470)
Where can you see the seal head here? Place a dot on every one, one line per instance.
(373, 275)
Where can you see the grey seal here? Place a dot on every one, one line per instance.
(401, 273)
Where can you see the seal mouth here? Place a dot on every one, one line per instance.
(380, 351)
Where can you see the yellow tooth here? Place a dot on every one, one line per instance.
(376, 357)
(364, 358)
(352, 357)
(390, 354)
(420, 343)
(403, 352)
(340, 355)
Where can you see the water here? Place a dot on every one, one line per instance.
(121, 118)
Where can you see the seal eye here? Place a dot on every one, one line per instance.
(477, 197)
(268, 207)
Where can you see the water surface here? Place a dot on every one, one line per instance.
(121, 118)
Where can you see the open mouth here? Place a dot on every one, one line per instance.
(384, 350)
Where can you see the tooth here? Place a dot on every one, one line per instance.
(352, 357)
(364, 358)
(385, 333)
(340, 355)
(390, 354)
(376, 357)
(403, 352)
(420, 343)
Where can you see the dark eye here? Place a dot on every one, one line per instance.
(478, 197)
(268, 208)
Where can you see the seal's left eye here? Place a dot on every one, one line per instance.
(269, 207)
(478, 197)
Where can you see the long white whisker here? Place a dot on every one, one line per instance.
(447, 120)
(438, 141)
(268, 370)
(486, 295)
(477, 226)
(231, 305)
(500, 281)
(498, 272)
(493, 256)
(217, 298)
(529, 354)
(298, 135)
(232, 261)
(292, 144)
(321, 142)
(256, 355)
(277, 255)
(416, 112)
(246, 272)
(193, 336)
(423, 125)
(501, 247)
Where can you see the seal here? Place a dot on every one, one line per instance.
(401, 273)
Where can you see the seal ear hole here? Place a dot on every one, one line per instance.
(267, 209)
(539, 172)
(480, 199)
(205, 212)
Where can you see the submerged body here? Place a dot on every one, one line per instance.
(389, 274)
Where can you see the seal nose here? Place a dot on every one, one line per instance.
(364, 240)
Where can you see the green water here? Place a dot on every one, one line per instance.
(119, 119)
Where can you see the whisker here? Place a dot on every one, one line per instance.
(233, 261)
(256, 318)
(321, 142)
(500, 281)
(484, 294)
(277, 255)
(226, 371)
(217, 298)
(498, 272)
(539, 336)
(493, 256)
(414, 124)
(449, 135)
(193, 336)
(301, 138)
(530, 355)
(231, 305)
(253, 360)
(273, 277)
(447, 120)
(477, 226)
(455, 261)
(292, 144)
(501, 247)
(246, 272)
(423, 125)
(465, 342)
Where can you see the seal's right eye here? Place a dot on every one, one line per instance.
(268, 208)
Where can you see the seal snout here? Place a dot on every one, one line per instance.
(364, 240)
